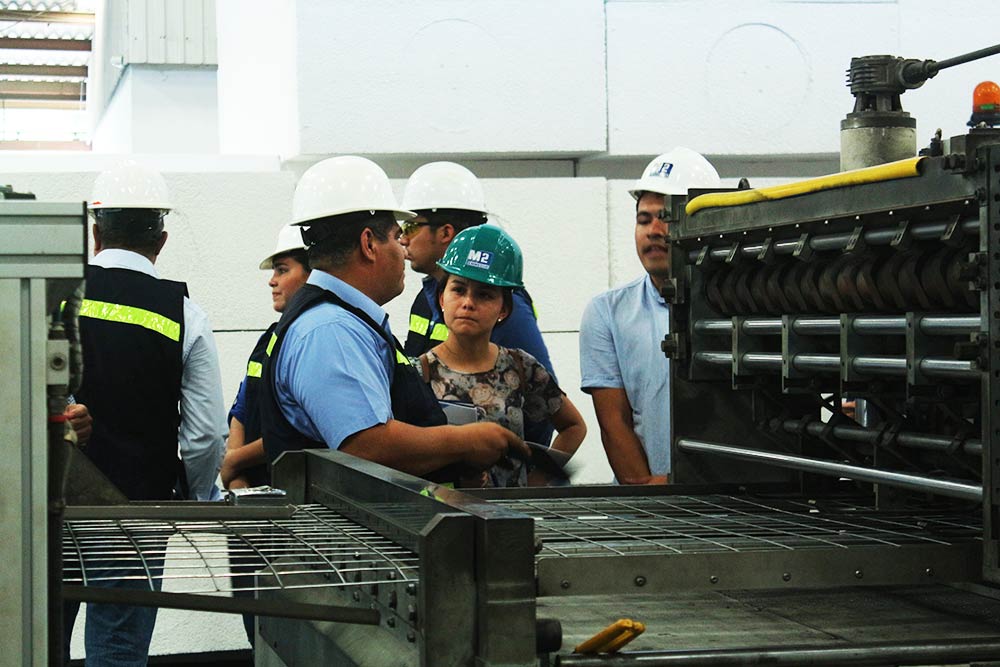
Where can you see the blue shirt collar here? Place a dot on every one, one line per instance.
(653, 292)
(350, 294)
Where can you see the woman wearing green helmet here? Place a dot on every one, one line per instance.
(482, 266)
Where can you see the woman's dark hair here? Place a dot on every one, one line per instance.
(506, 292)
(300, 256)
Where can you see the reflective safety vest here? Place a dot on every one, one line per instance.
(427, 328)
(412, 400)
(132, 333)
(252, 429)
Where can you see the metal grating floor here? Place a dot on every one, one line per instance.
(219, 556)
(615, 526)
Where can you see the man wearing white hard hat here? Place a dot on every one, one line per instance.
(621, 364)
(151, 381)
(335, 375)
(448, 199)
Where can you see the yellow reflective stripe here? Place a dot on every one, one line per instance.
(419, 325)
(270, 343)
(534, 310)
(254, 369)
(439, 332)
(147, 319)
(401, 358)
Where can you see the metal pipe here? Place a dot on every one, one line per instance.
(875, 325)
(924, 441)
(922, 231)
(762, 361)
(819, 363)
(830, 363)
(951, 368)
(948, 651)
(880, 365)
(941, 487)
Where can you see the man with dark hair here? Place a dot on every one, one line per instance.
(335, 376)
(151, 381)
(621, 364)
(448, 199)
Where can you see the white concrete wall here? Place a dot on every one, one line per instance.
(434, 77)
(161, 109)
(257, 84)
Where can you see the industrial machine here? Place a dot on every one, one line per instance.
(798, 530)
(43, 248)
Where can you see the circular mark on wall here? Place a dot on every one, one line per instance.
(454, 67)
(758, 77)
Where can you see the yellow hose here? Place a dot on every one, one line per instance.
(884, 172)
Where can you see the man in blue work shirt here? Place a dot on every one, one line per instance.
(447, 199)
(621, 364)
(335, 376)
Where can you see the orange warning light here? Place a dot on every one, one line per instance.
(986, 98)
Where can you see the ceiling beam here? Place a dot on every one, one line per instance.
(43, 70)
(40, 90)
(43, 146)
(45, 44)
(61, 104)
(20, 15)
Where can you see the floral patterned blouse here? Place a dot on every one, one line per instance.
(500, 398)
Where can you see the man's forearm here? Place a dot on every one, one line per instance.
(411, 449)
(625, 454)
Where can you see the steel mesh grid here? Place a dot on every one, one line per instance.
(615, 526)
(220, 556)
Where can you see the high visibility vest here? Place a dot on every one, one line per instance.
(132, 333)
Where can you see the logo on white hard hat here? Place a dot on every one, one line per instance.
(662, 170)
(479, 259)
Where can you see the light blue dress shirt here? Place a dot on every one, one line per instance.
(333, 371)
(202, 434)
(620, 348)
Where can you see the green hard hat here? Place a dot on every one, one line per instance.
(487, 254)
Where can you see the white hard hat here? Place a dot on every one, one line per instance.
(289, 240)
(438, 185)
(130, 185)
(344, 184)
(676, 172)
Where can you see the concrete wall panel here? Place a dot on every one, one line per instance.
(444, 77)
(757, 77)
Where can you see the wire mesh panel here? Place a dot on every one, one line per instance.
(188, 556)
(618, 526)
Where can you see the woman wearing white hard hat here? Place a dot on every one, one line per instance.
(245, 463)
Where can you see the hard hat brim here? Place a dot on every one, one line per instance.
(398, 213)
(158, 206)
(268, 262)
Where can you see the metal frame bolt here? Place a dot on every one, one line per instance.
(640, 580)
(786, 576)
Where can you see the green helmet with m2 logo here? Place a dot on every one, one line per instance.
(487, 254)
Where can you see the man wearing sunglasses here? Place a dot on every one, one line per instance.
(448, 198)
